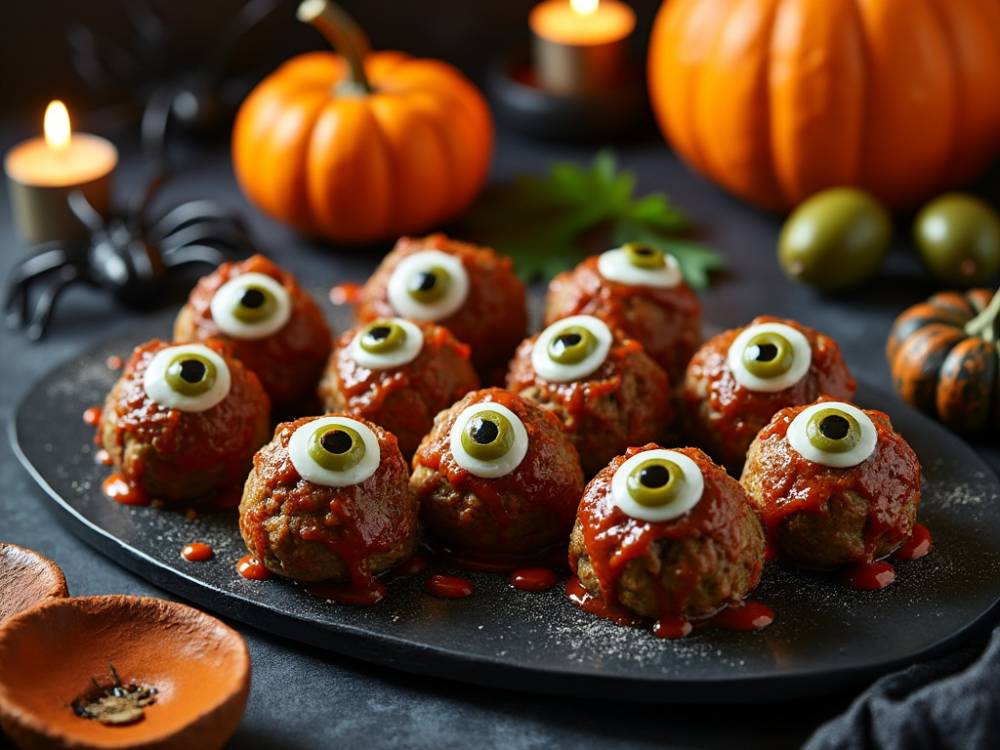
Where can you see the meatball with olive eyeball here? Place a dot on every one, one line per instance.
(272, 325)
(469, 289)
(608, 393)
(639, 290)
(184, 420)
(740, 378)
(329, 500)
(666, 534)
(833, 484)
(497, 475)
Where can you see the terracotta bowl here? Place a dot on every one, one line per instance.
(27, 579)
(199, 668)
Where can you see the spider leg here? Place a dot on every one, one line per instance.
(194, 254)
(49, 256)
(217, 232)
(43, 308)
(191, 213)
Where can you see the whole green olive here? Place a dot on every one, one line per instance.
(835, 240)
(191, 374)
(958, 238)
(655, 483)
(488, 436)
(336, 447)
(833, 431)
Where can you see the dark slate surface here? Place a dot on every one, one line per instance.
(304, 698)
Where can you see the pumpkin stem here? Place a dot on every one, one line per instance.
(344, 35)
(984, 324)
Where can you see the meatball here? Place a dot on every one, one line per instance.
(398, 374)
(329, 500)
(184, 420)
(833, 484)
(666, 534)
(497, 475)
(272, 325)
(638, 290)
(740, 378)
(469, 289)
(607, 392)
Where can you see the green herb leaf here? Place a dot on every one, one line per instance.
(545, 224)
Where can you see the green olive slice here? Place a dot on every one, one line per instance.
(255, 304)
(428, 285)
(487, 436)
(382, 337)
(642, 255)
(655, 483)
(336, 447)
(191, 374)
(768, 355)
(572, 345)
(833, 431)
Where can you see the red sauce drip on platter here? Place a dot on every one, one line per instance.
(918, 545)
(92, 416)
(118, 489)
(196, 552)
(869, 576)
(672, 627)
(250, 567)
(447, 587)
(346, 293)
(348, 593)
(533, 579)
(597, 606)
(103, 458)
(749, 615)
(114, 362)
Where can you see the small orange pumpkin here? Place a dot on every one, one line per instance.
(944, 361)
(358, 147)
(777, 99)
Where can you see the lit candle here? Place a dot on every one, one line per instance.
(579, 46)
(43, 171)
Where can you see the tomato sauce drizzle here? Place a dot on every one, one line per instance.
(250, 567)
(448, 587)
(103, 458)
(869, 576)
(92, 416)
(918, 545)
(197, 552)
(533, 579)
(118, 489)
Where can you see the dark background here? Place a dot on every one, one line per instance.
(301, 698)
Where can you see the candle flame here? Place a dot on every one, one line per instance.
(584, 7)
(57, 125)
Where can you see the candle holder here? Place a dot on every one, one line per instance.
(129, 255)
(598, 114)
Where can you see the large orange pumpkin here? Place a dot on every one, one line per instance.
(778, 99)
(359, 147)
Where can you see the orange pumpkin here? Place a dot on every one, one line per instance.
(778, 99)
(359, 147)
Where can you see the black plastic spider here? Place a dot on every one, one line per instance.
(127, 254)
(172, 85)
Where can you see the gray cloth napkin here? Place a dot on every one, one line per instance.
(953, 702)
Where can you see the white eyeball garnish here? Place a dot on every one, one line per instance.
(571, 348)
(251, 306)
(334, 451)
(639, 264)
(187, 377)
(488, 440)
(657, 485)
(386, 343)
(834, 434)
(429, 285)
(769, 357)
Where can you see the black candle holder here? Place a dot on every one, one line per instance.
(521, 102)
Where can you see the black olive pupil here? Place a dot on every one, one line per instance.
(336, 442)
(253, 298)
(193, 371)
(484, 432)
(654, 477)
(765, 353)
(425, 281)
(379, 333)
(835, 427)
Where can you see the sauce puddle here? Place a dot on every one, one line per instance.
(533, 579)
(447, 587)
(196, 552)
(251, 568)
(118, 489)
